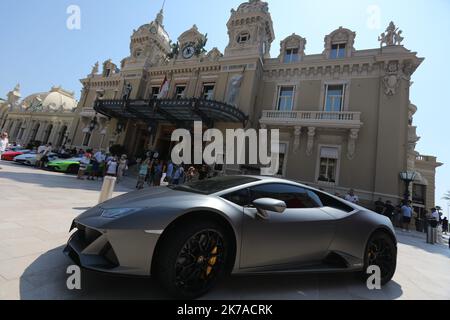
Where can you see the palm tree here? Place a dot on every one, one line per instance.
(447, 196)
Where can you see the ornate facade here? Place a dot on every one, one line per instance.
(345, 115)
(44, 117)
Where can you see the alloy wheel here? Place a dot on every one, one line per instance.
(200, 261)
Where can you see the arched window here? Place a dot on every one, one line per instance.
(292, 49)
(339, 44)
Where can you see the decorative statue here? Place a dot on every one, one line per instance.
(95, 69)
(351, 148)
(392, 36)
(200, 46)
(175, 47)
(127, 91)
(234, 88)
(310, 142)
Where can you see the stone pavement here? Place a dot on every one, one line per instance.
(37, 208)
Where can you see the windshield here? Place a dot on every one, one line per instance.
(214, 185)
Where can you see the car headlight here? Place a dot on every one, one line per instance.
(118, 213)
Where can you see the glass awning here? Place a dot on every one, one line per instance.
(175, 111)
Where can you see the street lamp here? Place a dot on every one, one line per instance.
(408, 177)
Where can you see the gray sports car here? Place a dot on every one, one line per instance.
(190, 236)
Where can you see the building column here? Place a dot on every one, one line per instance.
(28, 130)
(41, 131)
(55, 133)
(5, 127)
(12, 133)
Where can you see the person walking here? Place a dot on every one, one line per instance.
(169, 172)
(389, 210)
(3, 143)
(122, 167)
(435, 215)
(84, 164)
(351, 197)
(379, 206)
(40, 153)
(143, 171)
(406, 212)
(97, 160)
(45, 154)
(112, 167)
(445, 225)
(157, 175)
(178, 177)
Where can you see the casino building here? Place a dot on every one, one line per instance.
(344, 114)
(45, 117)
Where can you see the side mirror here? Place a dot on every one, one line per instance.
(266, 204)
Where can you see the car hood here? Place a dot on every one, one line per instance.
(148, 198)
(62, 161)
(26, 156)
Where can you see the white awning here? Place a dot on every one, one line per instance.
(329, 153)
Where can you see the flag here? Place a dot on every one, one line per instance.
(164, 91)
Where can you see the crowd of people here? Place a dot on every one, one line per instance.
(402, 214)
(96, 165)
(153, 172)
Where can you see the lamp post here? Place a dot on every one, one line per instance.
(408, 177)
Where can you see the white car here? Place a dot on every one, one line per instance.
(30, 159)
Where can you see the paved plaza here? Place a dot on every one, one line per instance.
(37, 208)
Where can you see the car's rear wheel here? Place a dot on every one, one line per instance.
(381, 251)
(192, 259)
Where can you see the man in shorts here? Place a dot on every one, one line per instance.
(407, 212)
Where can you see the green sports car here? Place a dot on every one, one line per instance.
(71, 165)
(65, 165)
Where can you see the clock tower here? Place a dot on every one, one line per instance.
(191, 44)
(150, 44)
(250, 30)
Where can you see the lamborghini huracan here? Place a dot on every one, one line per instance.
(191, 236)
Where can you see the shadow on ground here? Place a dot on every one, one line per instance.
(49, 179)
(46, 279)
(418, 241)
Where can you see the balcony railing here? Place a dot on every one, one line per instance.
(347, 120)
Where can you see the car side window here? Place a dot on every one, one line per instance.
(331, 202)
(240, 197)
(295, 197)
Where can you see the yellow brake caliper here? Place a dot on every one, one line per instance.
(212, 262)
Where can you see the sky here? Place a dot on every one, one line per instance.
(39, 51)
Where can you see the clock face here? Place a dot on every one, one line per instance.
(153, 30)
(188, 52)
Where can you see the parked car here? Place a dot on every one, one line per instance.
(10, 155)
(14, 148)
(71, 165)
(30, 159)
(191, 236)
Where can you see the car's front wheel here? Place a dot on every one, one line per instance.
(381, 251)
(192, 259)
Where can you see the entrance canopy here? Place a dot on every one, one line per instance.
(175, 111)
